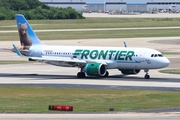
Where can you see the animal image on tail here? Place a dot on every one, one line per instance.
(25, 41)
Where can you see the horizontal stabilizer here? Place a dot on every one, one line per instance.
(17, 51)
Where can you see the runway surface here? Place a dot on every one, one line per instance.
(93, 116)
(41, 74)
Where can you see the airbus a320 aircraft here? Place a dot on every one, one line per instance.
(92, 61)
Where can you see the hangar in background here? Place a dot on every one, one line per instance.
(136, 6)
(111, 5)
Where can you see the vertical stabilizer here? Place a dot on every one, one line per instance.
(26, 34)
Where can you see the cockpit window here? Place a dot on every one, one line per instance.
(156, 55)
(160, 55)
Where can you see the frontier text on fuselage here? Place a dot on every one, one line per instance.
(104, 54)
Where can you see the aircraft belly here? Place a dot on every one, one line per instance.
(128, 65)
(112, 65)
(140, 65)
(63, 64)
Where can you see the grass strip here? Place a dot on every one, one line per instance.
(37, 99)
(96, 34)
(171, 71)
(94, 23)
(171, 53)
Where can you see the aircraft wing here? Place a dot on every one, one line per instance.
(68, 60)
(58, 59)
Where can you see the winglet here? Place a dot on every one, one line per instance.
(17, 51)
(125, 44)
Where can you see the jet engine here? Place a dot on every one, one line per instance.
(129, 71)
(95, 69)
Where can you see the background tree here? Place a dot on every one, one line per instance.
(34, 9)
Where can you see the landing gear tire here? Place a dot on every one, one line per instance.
(146, 76)
(81, 75)
(107, 74)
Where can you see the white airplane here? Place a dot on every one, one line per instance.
(92, 61)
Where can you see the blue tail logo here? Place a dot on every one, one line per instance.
(26, 34)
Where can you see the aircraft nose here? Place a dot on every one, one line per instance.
(165, 62)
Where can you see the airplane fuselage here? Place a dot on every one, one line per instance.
(114, 57)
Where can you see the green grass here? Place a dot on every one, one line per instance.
(13, 62)
(95, 23)
(96, 34)
(37, 99)
(171, 71)
(171, 53)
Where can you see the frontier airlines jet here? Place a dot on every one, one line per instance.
(92, 61)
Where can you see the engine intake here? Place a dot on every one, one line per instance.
(95, 69)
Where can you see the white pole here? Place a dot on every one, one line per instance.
(104, 6)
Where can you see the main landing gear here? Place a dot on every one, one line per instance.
(147, 76)
(81, 74)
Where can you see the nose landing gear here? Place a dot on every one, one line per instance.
(147, 76)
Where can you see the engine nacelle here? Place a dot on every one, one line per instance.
(95, 69)
(129, 71)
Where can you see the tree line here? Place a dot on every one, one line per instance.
(35, 10)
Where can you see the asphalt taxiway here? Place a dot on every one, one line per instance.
(41, 74)
(93, 116)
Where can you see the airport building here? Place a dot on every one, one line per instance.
(121, 5)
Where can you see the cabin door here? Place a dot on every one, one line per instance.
(141, 55)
